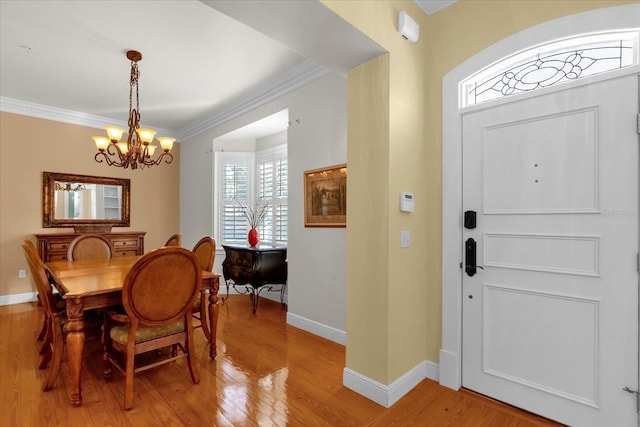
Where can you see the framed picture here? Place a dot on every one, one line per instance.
(325, 197)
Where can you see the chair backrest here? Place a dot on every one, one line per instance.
(90, 246)
(31, 245)
(205, 250)
(161, 287)
(175, 240)
(39, 272)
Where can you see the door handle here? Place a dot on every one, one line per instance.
(470, 257)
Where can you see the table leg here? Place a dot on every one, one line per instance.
(213, 316)
(75, 347)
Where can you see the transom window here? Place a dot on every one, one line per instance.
(550, 64)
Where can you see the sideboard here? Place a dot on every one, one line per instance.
(53, 246)
(256, 268)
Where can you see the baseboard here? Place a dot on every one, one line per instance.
(387, 395)
(316, 328)
(18, 298)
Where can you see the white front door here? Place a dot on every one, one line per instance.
(551, 322)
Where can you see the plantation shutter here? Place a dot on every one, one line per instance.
(273, 189)
(235, 188)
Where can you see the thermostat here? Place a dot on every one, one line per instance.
(406, 202)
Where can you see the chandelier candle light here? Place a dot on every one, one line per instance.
(138, 150)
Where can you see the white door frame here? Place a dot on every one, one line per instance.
(614, 18)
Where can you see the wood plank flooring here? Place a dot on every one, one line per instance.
(267, 373)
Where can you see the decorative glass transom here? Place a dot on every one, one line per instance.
(552, 63)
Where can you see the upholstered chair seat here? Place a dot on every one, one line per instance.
(120, 333)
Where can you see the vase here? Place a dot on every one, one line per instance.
(253, 237)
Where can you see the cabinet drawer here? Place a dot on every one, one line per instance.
(125, 252)
(58, 246)
(125, 243)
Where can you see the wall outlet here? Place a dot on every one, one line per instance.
(22, 274)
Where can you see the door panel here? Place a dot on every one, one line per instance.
(550, 322)
(527, 164)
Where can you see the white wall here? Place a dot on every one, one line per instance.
(316, 256)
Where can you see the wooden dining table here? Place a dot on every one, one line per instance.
(93, 284)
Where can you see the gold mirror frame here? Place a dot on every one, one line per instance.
(48, 198)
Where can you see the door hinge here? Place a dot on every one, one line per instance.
(636, 393)
(638, 126)
(638, 263)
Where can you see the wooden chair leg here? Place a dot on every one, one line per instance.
(128, 380)
(106, 345)
(43, 328)
(203, 315)
(193, 367)
(48, 337)
(47, 353)
(56, 360)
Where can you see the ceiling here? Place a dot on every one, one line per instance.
(203, 61)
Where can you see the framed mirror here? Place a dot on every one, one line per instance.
(85, 202)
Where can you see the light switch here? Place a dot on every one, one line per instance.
(405, 239)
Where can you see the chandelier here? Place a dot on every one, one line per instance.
(138, 149)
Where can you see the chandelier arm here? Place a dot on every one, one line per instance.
(114, 150)
(168, 158)
(107, 158)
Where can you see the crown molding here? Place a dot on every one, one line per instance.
(47, 112)
(291, 80)
(287, 82)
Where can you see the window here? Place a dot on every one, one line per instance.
(244, 177)
(550, 64)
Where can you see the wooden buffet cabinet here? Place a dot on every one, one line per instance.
(53, 247)
(255, 268)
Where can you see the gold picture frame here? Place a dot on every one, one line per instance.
(325, 197)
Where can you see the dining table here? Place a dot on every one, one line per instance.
(94, 284)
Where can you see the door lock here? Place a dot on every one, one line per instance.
(470, 220)
(470, 257)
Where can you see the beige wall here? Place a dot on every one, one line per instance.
(394, 304)
(386, 152)
(29, 146)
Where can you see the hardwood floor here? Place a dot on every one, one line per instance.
(266, 374)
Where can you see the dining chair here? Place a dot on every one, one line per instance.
(157, 297)
(55, 321)
(90, 246)
(31, 245)
(59, 303)
(175, 240)
(43, 328)
(205, 251)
